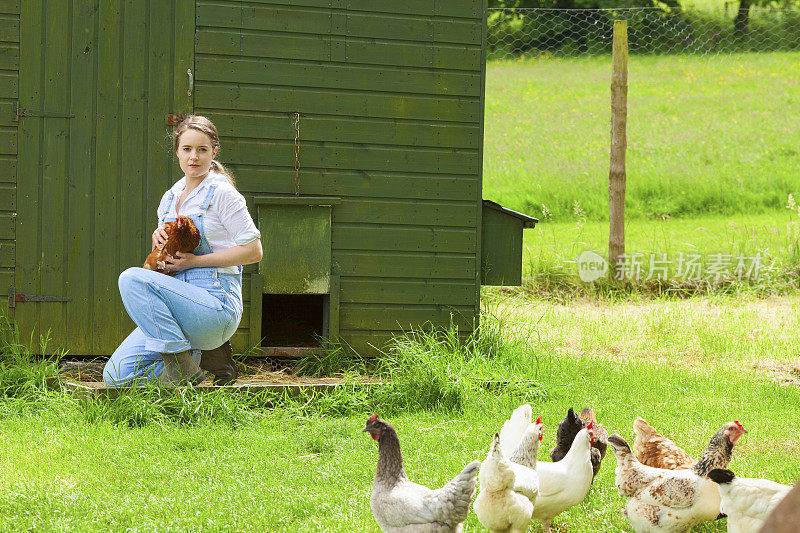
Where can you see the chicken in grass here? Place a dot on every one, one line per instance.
(672, 500)
(182, 236)
(719, 452)
(661, 500)
(508, 492)
(570, 426)
(747, 501)
(513, 428)
(400, 505)
(528, 446)
(653, 449)
(786, 516)
(565, 483)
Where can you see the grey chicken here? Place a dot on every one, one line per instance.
(400, 505)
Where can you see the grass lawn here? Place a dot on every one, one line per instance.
(686, 366)
(706, 134)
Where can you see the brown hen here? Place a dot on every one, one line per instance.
(653, 449)
(182, 236)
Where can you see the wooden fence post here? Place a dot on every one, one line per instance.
(616, 174)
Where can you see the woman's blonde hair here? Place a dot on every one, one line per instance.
(203, 125)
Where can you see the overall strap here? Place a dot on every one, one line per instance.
(171, 199)
(203, 208)
(207, 199)
(169, 205)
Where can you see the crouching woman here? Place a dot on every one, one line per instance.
(184, 321)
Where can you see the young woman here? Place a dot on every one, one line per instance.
(199, 308)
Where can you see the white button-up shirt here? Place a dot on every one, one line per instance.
(226, 222)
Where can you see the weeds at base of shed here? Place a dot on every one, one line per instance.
(335, 357)
(24, 377)
(435, 370)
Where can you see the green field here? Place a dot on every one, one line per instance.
(713, 156)
(706, 134)
(224, 463)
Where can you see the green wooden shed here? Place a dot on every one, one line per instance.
(354, 129)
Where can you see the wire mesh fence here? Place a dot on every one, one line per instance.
(515, 32)
(713, 107)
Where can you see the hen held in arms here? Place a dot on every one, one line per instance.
(182, 236)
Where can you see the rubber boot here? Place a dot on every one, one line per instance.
(180, 369)
(220, 363)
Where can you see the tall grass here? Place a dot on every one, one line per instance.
(425, 370)
(551, 250)
(25, 381)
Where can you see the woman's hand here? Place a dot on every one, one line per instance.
(159, 237)
(181, 261)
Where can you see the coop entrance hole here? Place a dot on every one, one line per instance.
(293, 319)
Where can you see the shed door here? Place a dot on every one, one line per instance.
(97, 81)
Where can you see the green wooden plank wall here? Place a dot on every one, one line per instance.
(9, 83)
(110, 64)
(390, 97)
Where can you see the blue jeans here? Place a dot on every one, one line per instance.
(197, 309)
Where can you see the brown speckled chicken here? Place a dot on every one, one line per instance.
(400, 505)
(182, 236)
(672, 500)
(653, 449)
(659, 500)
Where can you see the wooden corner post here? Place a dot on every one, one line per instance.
(616, 174)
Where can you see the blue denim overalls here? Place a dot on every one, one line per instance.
(197, 309)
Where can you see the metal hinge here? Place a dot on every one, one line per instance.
(20, 112)
(14, 298)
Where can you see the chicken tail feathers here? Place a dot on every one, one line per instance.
(721, 476)
(456, 496)
(470, 471)
(514, 428)
(466, 480)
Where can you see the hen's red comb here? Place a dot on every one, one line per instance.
(738, 424)
(539, 420)
(590, 426)
(373, 418)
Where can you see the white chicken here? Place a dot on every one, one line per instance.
(565, 483)
(508, 493)
(661, 500)
(401, 506)
(513, 429)
(528, 446)
(747, 501)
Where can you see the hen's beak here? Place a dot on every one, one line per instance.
(365, 429)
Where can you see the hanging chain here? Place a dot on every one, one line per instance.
(296, 154)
